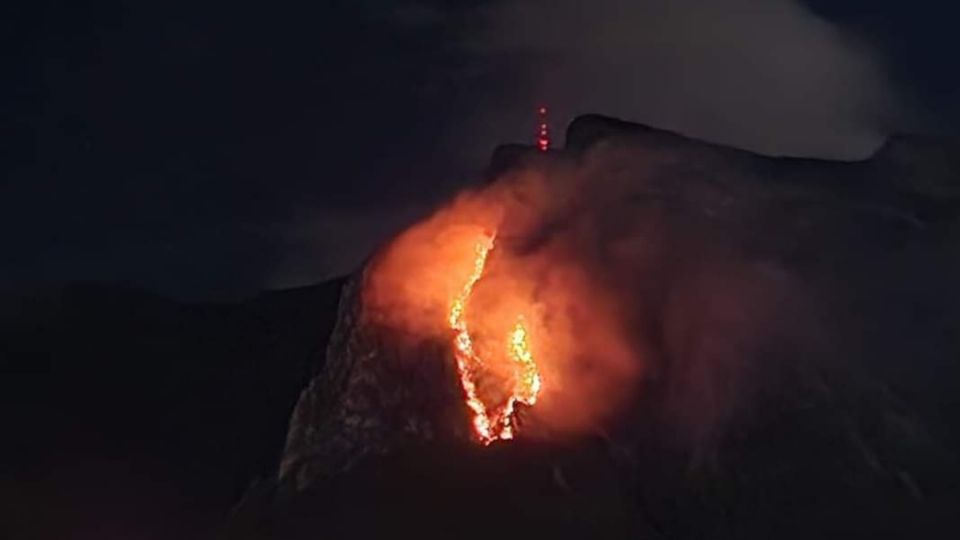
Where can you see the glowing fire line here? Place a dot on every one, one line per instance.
(463, 346)
(499, 425)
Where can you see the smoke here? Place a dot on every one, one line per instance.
(665, 275)
(643, 268)
(629, 280)
(766, 76)
(670, 283)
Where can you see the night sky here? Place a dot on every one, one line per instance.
(210, 150)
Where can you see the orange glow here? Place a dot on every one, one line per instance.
(491, 423)
(534, 340)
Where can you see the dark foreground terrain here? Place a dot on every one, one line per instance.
(132, 416)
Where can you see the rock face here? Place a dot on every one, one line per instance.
(365, 402)
(851, 431)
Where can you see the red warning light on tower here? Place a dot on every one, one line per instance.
(543, 133)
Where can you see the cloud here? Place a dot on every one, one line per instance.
(766, 76)
(770, 77)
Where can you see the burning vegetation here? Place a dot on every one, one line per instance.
(495, 422)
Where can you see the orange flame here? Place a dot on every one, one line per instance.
(497, 424)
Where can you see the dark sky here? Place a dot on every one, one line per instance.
(207, 149)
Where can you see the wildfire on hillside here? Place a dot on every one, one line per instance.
(533, 339)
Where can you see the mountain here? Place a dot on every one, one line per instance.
(793, 323)
(790, 369)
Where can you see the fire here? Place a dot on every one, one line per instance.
(528, 382)
(491, 423)
(467, 361)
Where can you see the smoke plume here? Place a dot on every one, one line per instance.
(766, 76)
(634, 266)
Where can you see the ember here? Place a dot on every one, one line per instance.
(491, 423)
